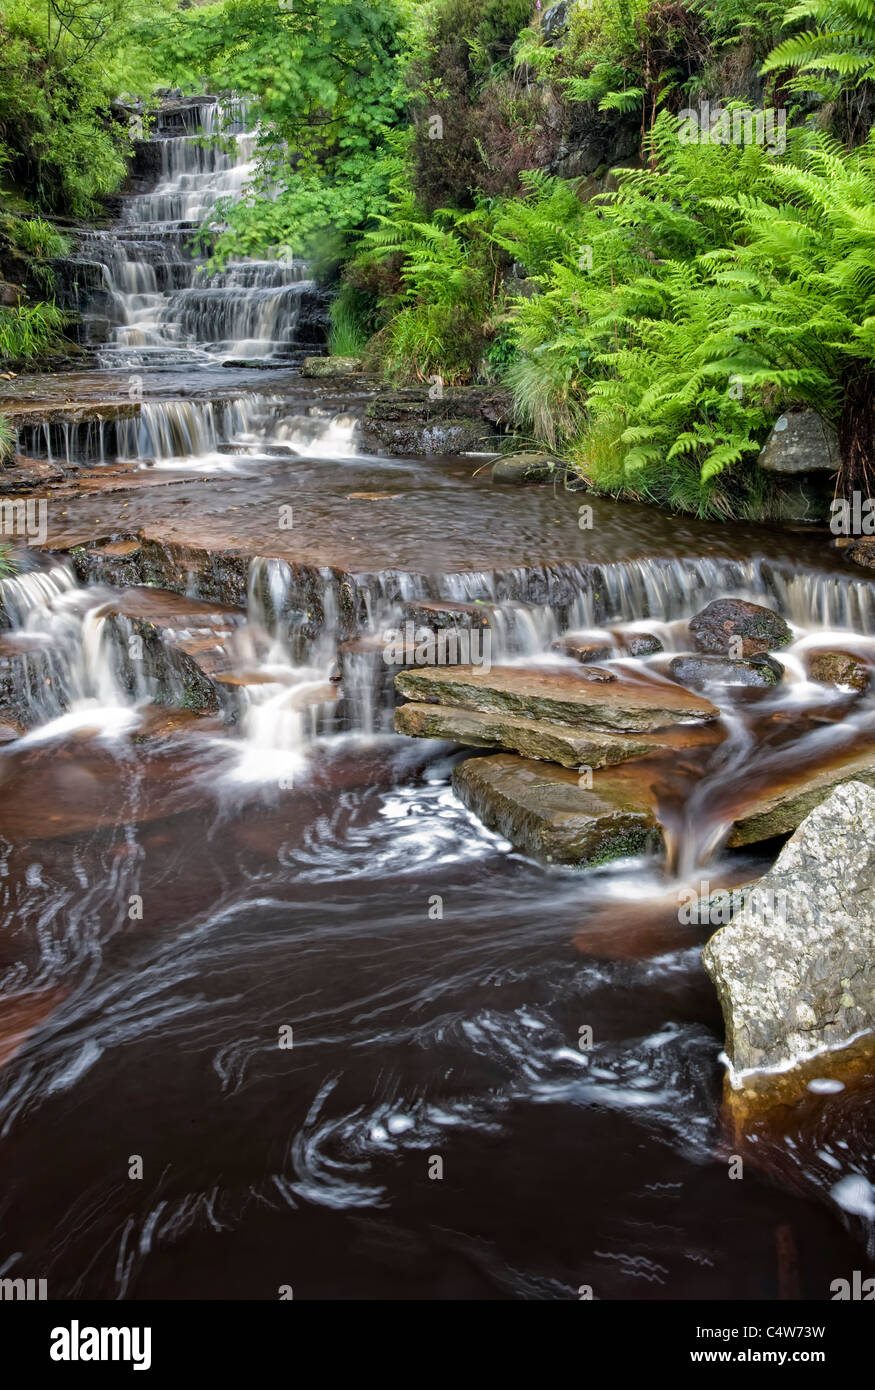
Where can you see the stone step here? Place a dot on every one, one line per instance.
(559, 697)
(535, 738)
(545, 812)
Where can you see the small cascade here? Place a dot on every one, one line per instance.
(146, 280)
(183, 430)
(61, 655)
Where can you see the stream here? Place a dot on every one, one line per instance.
(260, 968)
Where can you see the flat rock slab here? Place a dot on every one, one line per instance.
(536, 738)
(544, 811)
(779, 810)
(557, 696)
(795, 969)
(533, 738)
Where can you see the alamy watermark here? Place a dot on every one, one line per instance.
(702, 907)
(425, 646)
(853, 516)
(25, 520)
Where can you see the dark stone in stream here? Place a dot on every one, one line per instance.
(700, 672)
(582, 649)
(839, 668)
(862, 552)
(795, 969)
(437, 420)
(527, 468)
(727, 622)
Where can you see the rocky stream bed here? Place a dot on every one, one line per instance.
(313, 722)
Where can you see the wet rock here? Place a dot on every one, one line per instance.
(582, 648)
(330, 367)
(446, 613)
(795, 970)
(702, 672)
(527, 468)
(728, 621)
(555, 21)
(801, 442)
(641, 643)
(862, 552)
(545, 812)
(532, 738)
(839, 668)
(10, 295)
(777, 810)
(438, 420)
(25, 474)
(557, 696)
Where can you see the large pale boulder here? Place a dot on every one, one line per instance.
(795, 969)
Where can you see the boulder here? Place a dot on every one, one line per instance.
(801, 442)
(321, 367)
(561, 697)
(795, 969)
(843, 669)
(729, 620)
(703, 672)
(526, 468)
(545, 812)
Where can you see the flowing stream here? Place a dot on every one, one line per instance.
(259, 967)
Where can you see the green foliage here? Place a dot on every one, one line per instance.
(723, 286)
(60, 65)
(839, 48)
(6, 438)
(30, 331)
(348, 331)
(37, 237)
(445, 291)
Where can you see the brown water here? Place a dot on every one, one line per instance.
(182, 895)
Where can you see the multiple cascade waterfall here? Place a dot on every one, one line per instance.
(152, 299)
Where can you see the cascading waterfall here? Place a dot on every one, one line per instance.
(165, 306)
(64, 663)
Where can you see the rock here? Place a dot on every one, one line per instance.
(10, 295)
(455, 419)
(640, 643)
(554, 21)
(838, 668)
(526, 468)
(532, 738)
(862, 552)
(582, 648)
(558, 696)
(702, 672)
(801, 442)
(321, 367)
(795, 969)
(729, 620)
(780, 809)
(544, 811)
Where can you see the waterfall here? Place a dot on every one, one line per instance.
(147, 276)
